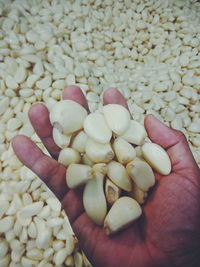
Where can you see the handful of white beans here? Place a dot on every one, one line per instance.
(100, 151)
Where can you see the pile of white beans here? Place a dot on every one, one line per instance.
(149, 50)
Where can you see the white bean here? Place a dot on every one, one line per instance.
(68, 156)
(79, 142)
(135, 134)
(124, 151)
(117, 118)
(67, 116)
(31, 209)
(78, 174)
(6, 224)
(141, 173)
(98, 152)
(20, 74)
(94, 200)
(157, 158)
(118, 174)
(123, 212)
(3, 248)
(96, 128)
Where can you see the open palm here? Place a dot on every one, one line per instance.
(168, 232)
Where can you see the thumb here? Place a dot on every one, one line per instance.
(174, 142)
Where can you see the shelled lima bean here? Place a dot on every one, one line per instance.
(116, 180)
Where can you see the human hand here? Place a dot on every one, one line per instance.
(168, 232)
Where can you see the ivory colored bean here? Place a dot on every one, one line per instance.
(36, 194)
(59, 84)
(78, 174)
(56, 94)
(67, 116)
(26, 262)
(6, 223)
(32, 232)
(26, 92)
(20, 74)
(117, 118)
(8, 114)
(96, 128)
(4, 206)
(38, 68)
(78, 260)
(5, 261)
(118, 175)
(54, 222)
(17, 228)
(10, 93)
(31, 58)
(3, 248)
(70, 261)
(11, 65)
(100, 168)
(44, 233)
(31, 244)
(24, 221)
(35, 254)
(138, 194)
(45, 212)
(92, 97)
(11, 83)
(31, 80)
(79, 142)
(58, 244)
(124, 151)
(157, 158)
(60, 256)
(4, 103)
(17, 246)
(98, 152)
(194, 126)
(48, 253)
(85, 160)
(13, 124)
(61, 140)
(32, 209)
(10, 135)
(92, 106)
(27, 199)
(68, 156)
(35, 184)
(54, 203)
(135, 134)
(141, 173)
(94, 200)
(10, 235)
(12, 209)
(123, 212)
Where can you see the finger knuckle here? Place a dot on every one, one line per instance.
(181, 136)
